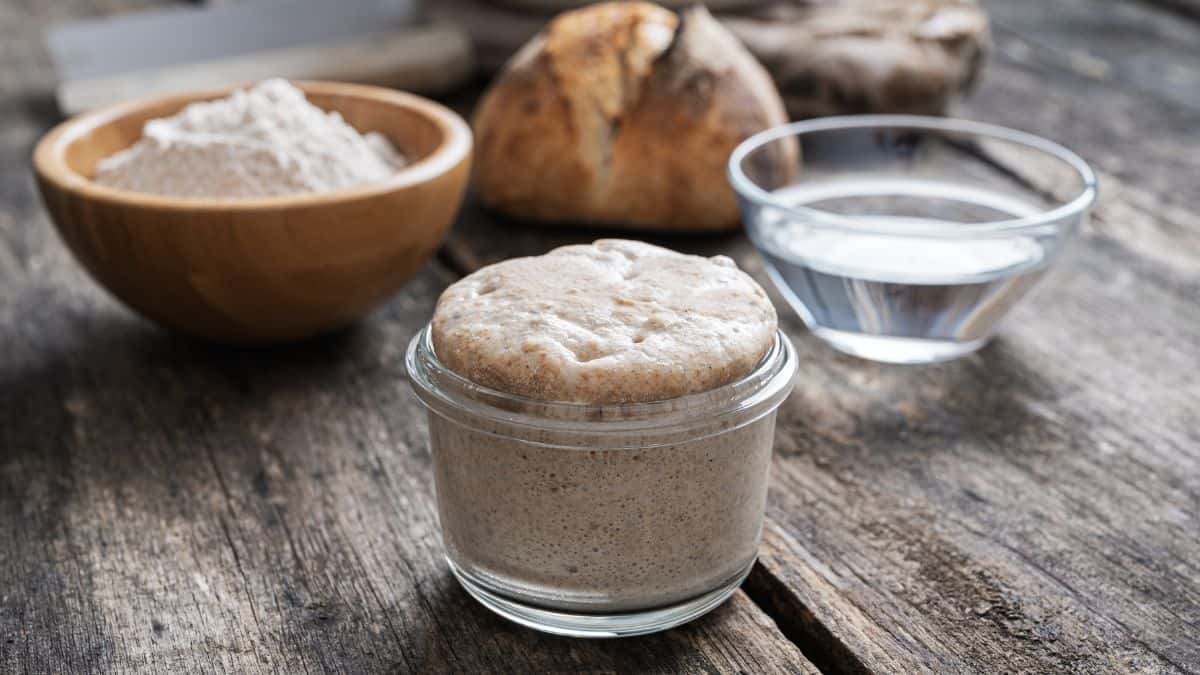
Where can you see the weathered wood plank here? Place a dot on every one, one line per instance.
(1027, 506)
(174, 506)
(1061, 493)
(169, 506)
(1100, 42)
(1033, 507)
(1117, 80)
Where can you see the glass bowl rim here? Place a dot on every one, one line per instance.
(749, 190)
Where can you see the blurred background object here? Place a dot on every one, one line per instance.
(385, 42)
(827, 58)
(868, 56)
(845, 56)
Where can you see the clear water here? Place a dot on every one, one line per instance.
(900, 297)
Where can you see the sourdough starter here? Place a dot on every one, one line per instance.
(623, 521)
(604, 529)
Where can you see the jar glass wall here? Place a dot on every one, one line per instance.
(601, 519)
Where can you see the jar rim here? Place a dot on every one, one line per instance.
(754, 394)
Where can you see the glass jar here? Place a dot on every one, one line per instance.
(597, 520)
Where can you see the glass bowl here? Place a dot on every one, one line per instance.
(907, 239)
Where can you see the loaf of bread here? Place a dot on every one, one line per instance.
(624, 114)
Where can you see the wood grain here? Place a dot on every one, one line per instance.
(173, 506)
(170, 506)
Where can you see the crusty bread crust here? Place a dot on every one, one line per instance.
(623, 113)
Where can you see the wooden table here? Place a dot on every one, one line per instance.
(173, 506)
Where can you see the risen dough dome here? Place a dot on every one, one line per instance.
(614, 321)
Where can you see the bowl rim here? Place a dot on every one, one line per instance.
(749, 190)
(49, 155)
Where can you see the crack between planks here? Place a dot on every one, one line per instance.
(799, 624)
(237, 559)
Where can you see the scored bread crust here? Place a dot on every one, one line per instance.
(623, 113)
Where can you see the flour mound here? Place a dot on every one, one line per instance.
(262, 142)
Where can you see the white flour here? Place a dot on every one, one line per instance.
(261, 142)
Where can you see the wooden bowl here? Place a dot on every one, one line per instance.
(259, 270)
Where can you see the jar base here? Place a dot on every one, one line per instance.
(572, 624)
